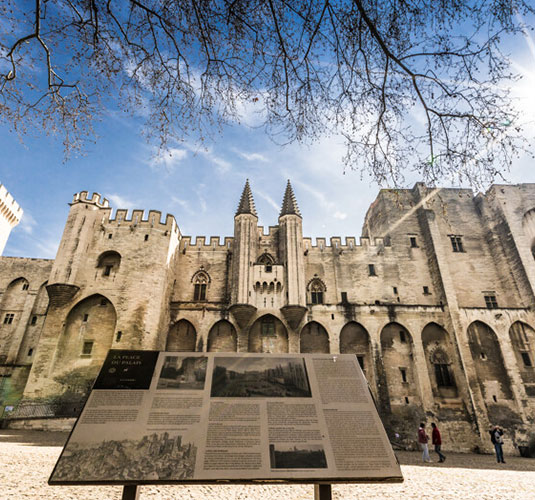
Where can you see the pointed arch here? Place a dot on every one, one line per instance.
(268, 334)
(523, 341)
(266, 259)
(488, 359)
(13, 301)
(222, 337)
(314, 338)
(354, 339)
(88, 332)
(399, 366)
(439, 356)
(181, 337)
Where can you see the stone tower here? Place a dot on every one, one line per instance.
(10, 215)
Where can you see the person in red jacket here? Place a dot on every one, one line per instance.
(423, 439)
(436, 439)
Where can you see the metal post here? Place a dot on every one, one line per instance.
(130, 492)
(322, 492)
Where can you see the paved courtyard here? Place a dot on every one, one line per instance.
(28, 458)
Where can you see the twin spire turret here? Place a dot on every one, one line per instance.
(289, 203)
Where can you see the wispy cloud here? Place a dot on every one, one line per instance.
(27, 223)
(169, 159)
(268, 198)
(329, 206)
(118, 201)
(251, 156)
(182, 203)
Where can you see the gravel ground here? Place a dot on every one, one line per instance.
(29, 456)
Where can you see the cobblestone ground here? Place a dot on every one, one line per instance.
(27, 459)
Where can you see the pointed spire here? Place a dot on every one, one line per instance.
(289, 205)
(246, 205)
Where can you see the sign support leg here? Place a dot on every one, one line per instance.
(130, 492)
(322, 492)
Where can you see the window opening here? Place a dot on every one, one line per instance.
(371, 270)
(118, 336)
(360, 359)
(395, 289)
(456, 243)
(526, 359)
(402, 337)
(442, 373)
(414, 243)
(268, 327)
(200, 285)
(30, 352)
(8, 318)
(344, 297)
(406, 400)
(146, 237)
(491, 302)
(86, 317)
(109, 236)
(495, 399)
(403, 374)
(87, 347)
(34, 320)
(107, 270)
(426, 290)
(25, 286)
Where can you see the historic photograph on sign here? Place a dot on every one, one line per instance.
(260, 377)
(127, 370)
(156, 456)
(180, 372)
(300, 456)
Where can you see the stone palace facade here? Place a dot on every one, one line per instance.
(436, 299)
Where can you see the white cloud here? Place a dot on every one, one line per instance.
(340, 215)
(268, 198)
(251, 156)
(27, 223)
(168, 159)
(118, 201)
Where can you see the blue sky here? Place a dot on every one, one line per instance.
(201, 186)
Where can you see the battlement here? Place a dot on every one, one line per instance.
(272, 231)
(9, 208)
(137, 219)
(96, 199)
(335, 242)
(199, 243)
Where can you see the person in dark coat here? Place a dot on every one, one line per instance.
(496, 436)
(436, 439)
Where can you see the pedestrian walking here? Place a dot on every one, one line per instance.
(496, 436)
(423, 439)
(436, 439)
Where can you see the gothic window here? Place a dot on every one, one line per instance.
(456, 243)
(267, 261)
(440, 361)
(200, 284)
(109, 261)
(317, 289)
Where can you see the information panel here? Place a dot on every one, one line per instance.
(174, 417)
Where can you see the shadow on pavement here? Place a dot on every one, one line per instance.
(467, 461)
(33, 438)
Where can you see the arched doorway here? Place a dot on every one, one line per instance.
(222, 337)
(88, 333)
(181, 337)
(314, 338)
(488, 359)
(523, 342)
(268, 334)
(399, 367)
(439, 356)
(354, 339)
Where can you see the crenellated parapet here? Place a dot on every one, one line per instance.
(338, 243)
(95, 199)
(137, 219)
(214, 243)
